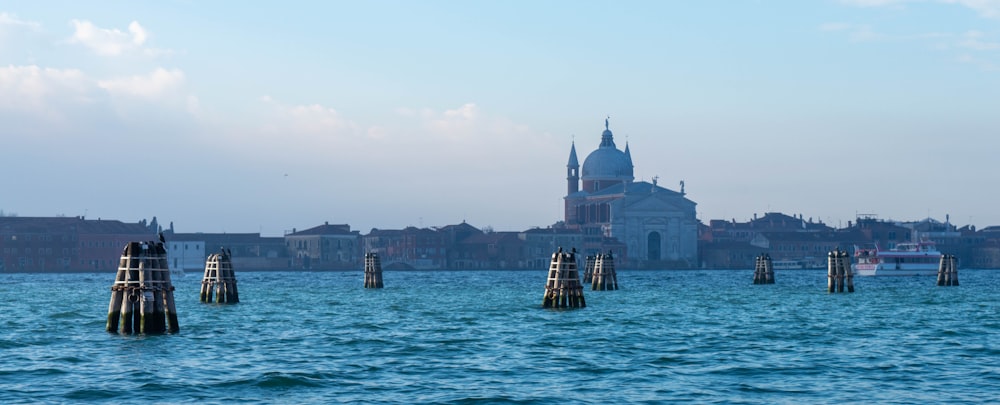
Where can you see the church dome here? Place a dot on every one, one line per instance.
(607, 162)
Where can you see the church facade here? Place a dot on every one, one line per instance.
(649, 225)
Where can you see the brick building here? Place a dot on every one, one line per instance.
(65, 244)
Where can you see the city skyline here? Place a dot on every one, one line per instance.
(222, 118)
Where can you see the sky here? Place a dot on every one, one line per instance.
(228, 116)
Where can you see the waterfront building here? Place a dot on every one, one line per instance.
(493, 251)
(643, 223)
(325, 247)
(408, 248)
(65, 244)
(984, 248)
(459, 258)
(801, 249)
(769, 222)
(540, 243)
(793, 240)
(885, 234)
(185, 255)
(250, 251)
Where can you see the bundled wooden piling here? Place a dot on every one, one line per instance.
(604, 276)
(142, 297)
(219, 279)
(588, 268)
(373, 271)
(763, 272)
(948, 271)
(839, 272)
(563, 288)
(845, 260)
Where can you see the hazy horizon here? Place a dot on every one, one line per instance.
(228, 117)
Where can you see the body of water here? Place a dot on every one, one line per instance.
(483, 337)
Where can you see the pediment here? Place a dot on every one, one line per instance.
(654, 203)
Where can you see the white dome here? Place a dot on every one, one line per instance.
(607, 162)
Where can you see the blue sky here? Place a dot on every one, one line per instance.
(267, 116)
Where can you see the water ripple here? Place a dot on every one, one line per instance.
(666, 336)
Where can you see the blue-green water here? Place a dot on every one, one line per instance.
(475, 336)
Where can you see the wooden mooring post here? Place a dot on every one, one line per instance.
(763, 272)
(604, 277)
(563, 288)
(219, 279)
(948, 271)
(839, 272)
(373, 271)
(142, 297)
(588, 268)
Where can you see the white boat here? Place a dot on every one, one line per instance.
(787, 265)
(905, 259)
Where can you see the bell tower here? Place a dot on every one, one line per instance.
(572, 171)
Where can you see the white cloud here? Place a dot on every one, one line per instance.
(310, 119)
(467, 111)
(39, 104)
(154, 85)
(971, 40)
(274, 131)
(467, 135)
(873, 3)
(12, 20)
(160, 95)
(978, 62)
(865, 33)
(67, 100)
(977, 48)
(32, 88)
(16, 35)
(454, 123)
(985, 8)
(459, 125)
(975, 40)
(316, 118)
(138, 33)
(464, 136)
(857, 33)
(108, 42)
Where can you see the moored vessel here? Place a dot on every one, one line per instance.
(788, 265)
(904, 259)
